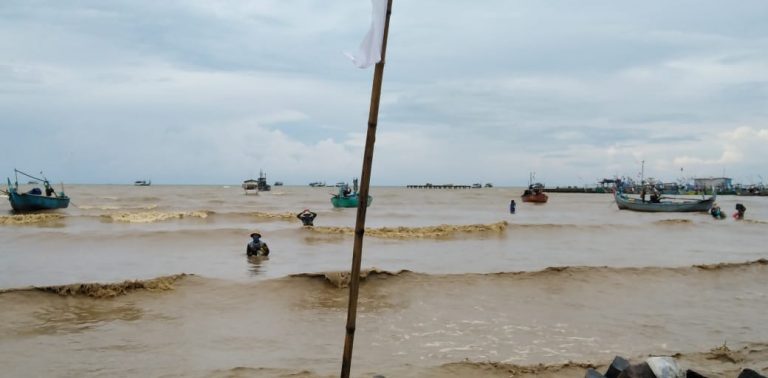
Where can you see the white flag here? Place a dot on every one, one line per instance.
(370, 48)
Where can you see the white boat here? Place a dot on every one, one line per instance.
(625, 202)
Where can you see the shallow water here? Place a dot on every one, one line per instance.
(476, 284)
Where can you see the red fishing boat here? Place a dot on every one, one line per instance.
(535, 192)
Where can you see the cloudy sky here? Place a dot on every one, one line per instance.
(210, 92)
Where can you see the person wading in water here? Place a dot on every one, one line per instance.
(256, 247)
(307, 217)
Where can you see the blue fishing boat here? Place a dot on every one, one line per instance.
(35, 199)
(347, 197)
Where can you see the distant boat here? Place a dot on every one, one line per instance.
(489, 185)
(317, 184)
(142, 183)
(250, 184)
(278, 183)
(340, 184)
(259, 185)
(625, 202)
(535, 192)
(347, 197)
(34, 199)
(477, 185)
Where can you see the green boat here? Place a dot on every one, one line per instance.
(347, 197)
(35, 199)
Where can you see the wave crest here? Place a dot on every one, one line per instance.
(441, 231)
(115, 207)
(280, 216)
(155, 216)
(108, 290)
(673, 222)
(341, 279)
(29, 218)
(721, 266)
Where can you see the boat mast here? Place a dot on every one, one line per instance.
(362, 206)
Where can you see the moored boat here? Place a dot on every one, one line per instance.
(142, 183)
(663, 205)
(258, 185)
(347, 197)
(250, 184)
(35, 199)
(535, 192)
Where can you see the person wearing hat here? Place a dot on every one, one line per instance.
(307, 217)
(256, 247)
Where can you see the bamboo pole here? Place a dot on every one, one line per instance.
(365, 179)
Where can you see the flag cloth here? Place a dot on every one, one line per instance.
(370, 48)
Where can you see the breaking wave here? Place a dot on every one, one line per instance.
(277, 216)
(115, 207)
(107, 290)
(729, 362)
(29, 218)
(341, 279)
(441, 231)
(155, 216)
(664, 222)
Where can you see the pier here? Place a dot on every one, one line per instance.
(444, 186)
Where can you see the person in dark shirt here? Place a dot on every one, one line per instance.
(256, 247)
(307, 217)
(512, 206)
(740, 210)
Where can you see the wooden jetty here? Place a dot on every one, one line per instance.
(444, 186)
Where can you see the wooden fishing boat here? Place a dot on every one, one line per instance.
(625, 202)
(35, 199)
(250, 184)
(258, 185)
(535, 194)
(347, 197)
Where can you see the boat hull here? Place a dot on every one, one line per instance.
(349, 201)
(626, 203)
(32, 202)
(535, 198)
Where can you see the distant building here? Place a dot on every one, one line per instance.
(719, 183)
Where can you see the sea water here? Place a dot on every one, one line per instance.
(453, 282)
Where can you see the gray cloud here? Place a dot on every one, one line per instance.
(101, 92)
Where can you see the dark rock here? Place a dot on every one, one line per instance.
(749, 373)
(617, 366)
(637, 371)
(692, 374)
(592, 373)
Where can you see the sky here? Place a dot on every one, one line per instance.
(212, 92)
